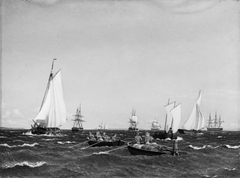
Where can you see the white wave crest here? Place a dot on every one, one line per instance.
(49, 139)
(203, 147)
(25, 163)
(25, 144)
(179, 138)
(197, 148)
(67, 142)
(234, 147)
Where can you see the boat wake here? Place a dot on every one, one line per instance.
(24, 163)
(233, 147)
(24, 145)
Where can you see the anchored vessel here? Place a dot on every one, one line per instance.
(133, 120)
(52, 112)
(77, 125)
(102, 127)
(195, 123)
(155, 125)
(214, 125)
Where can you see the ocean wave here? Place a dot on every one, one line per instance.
(2, 137)
(49, 139)
(68, 142)
(29, 133)
(203, 147)
(25, 144)
(233, 147)
(25, 163)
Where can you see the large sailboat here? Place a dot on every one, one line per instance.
(214, 125)
(133, 120)
(52, 112)
(77, 125)
(195, 123)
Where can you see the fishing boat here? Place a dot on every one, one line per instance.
(195, 123)
(133, 120)
(163, 134)
(155, 126)
(155, 149)
(52, 112)
(94, 143)
(77, 125)
(148, 151)
(214, 125)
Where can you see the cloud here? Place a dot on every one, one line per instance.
(45, 2)
(14, 114)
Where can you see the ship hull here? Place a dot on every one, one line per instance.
(214, 129)
(133, 129)
(161, 134)
(76, 129)
(184, 131)
(44, 130)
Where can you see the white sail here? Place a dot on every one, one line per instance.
(176, 114)
(168, 121)
(155, 125)
(195, 119)
(53, 111)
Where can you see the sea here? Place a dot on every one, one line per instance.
(210, 154)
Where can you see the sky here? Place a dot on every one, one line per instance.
(118, 55)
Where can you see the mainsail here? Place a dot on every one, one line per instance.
(196, 119)
(168, 120)
(53, 110)
(176, 114)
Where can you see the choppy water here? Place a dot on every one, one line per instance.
(25, 155)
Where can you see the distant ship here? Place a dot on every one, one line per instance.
(214, 125)
(155, 125)
(77, 125)
(102, 127)
(133, 120)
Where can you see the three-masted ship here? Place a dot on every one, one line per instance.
(77, 125)
(214, 125)
(133, 120)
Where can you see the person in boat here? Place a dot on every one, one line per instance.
(91, 136)
(105, 137)
(138, 138)
(114, 137)
(170, 132)
(148, 138)
(98, 136)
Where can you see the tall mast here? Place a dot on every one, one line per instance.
(48, 84)
(215, 121)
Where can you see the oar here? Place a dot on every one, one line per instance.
(89, 146)
(78, 144)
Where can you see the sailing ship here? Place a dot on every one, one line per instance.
(155, 125)
(77, 125)
(195, 123)
(102, 127)
(52, 112)
(133, 120)
(170, 122)
(214, 125)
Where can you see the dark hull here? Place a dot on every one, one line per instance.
(105, 143)
(77, 129)
(137, 151)
(184, 131)
(132, 129)
(163, 135)
(43, 130)
(214, 129)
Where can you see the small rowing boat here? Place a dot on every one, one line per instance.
(94, 143)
